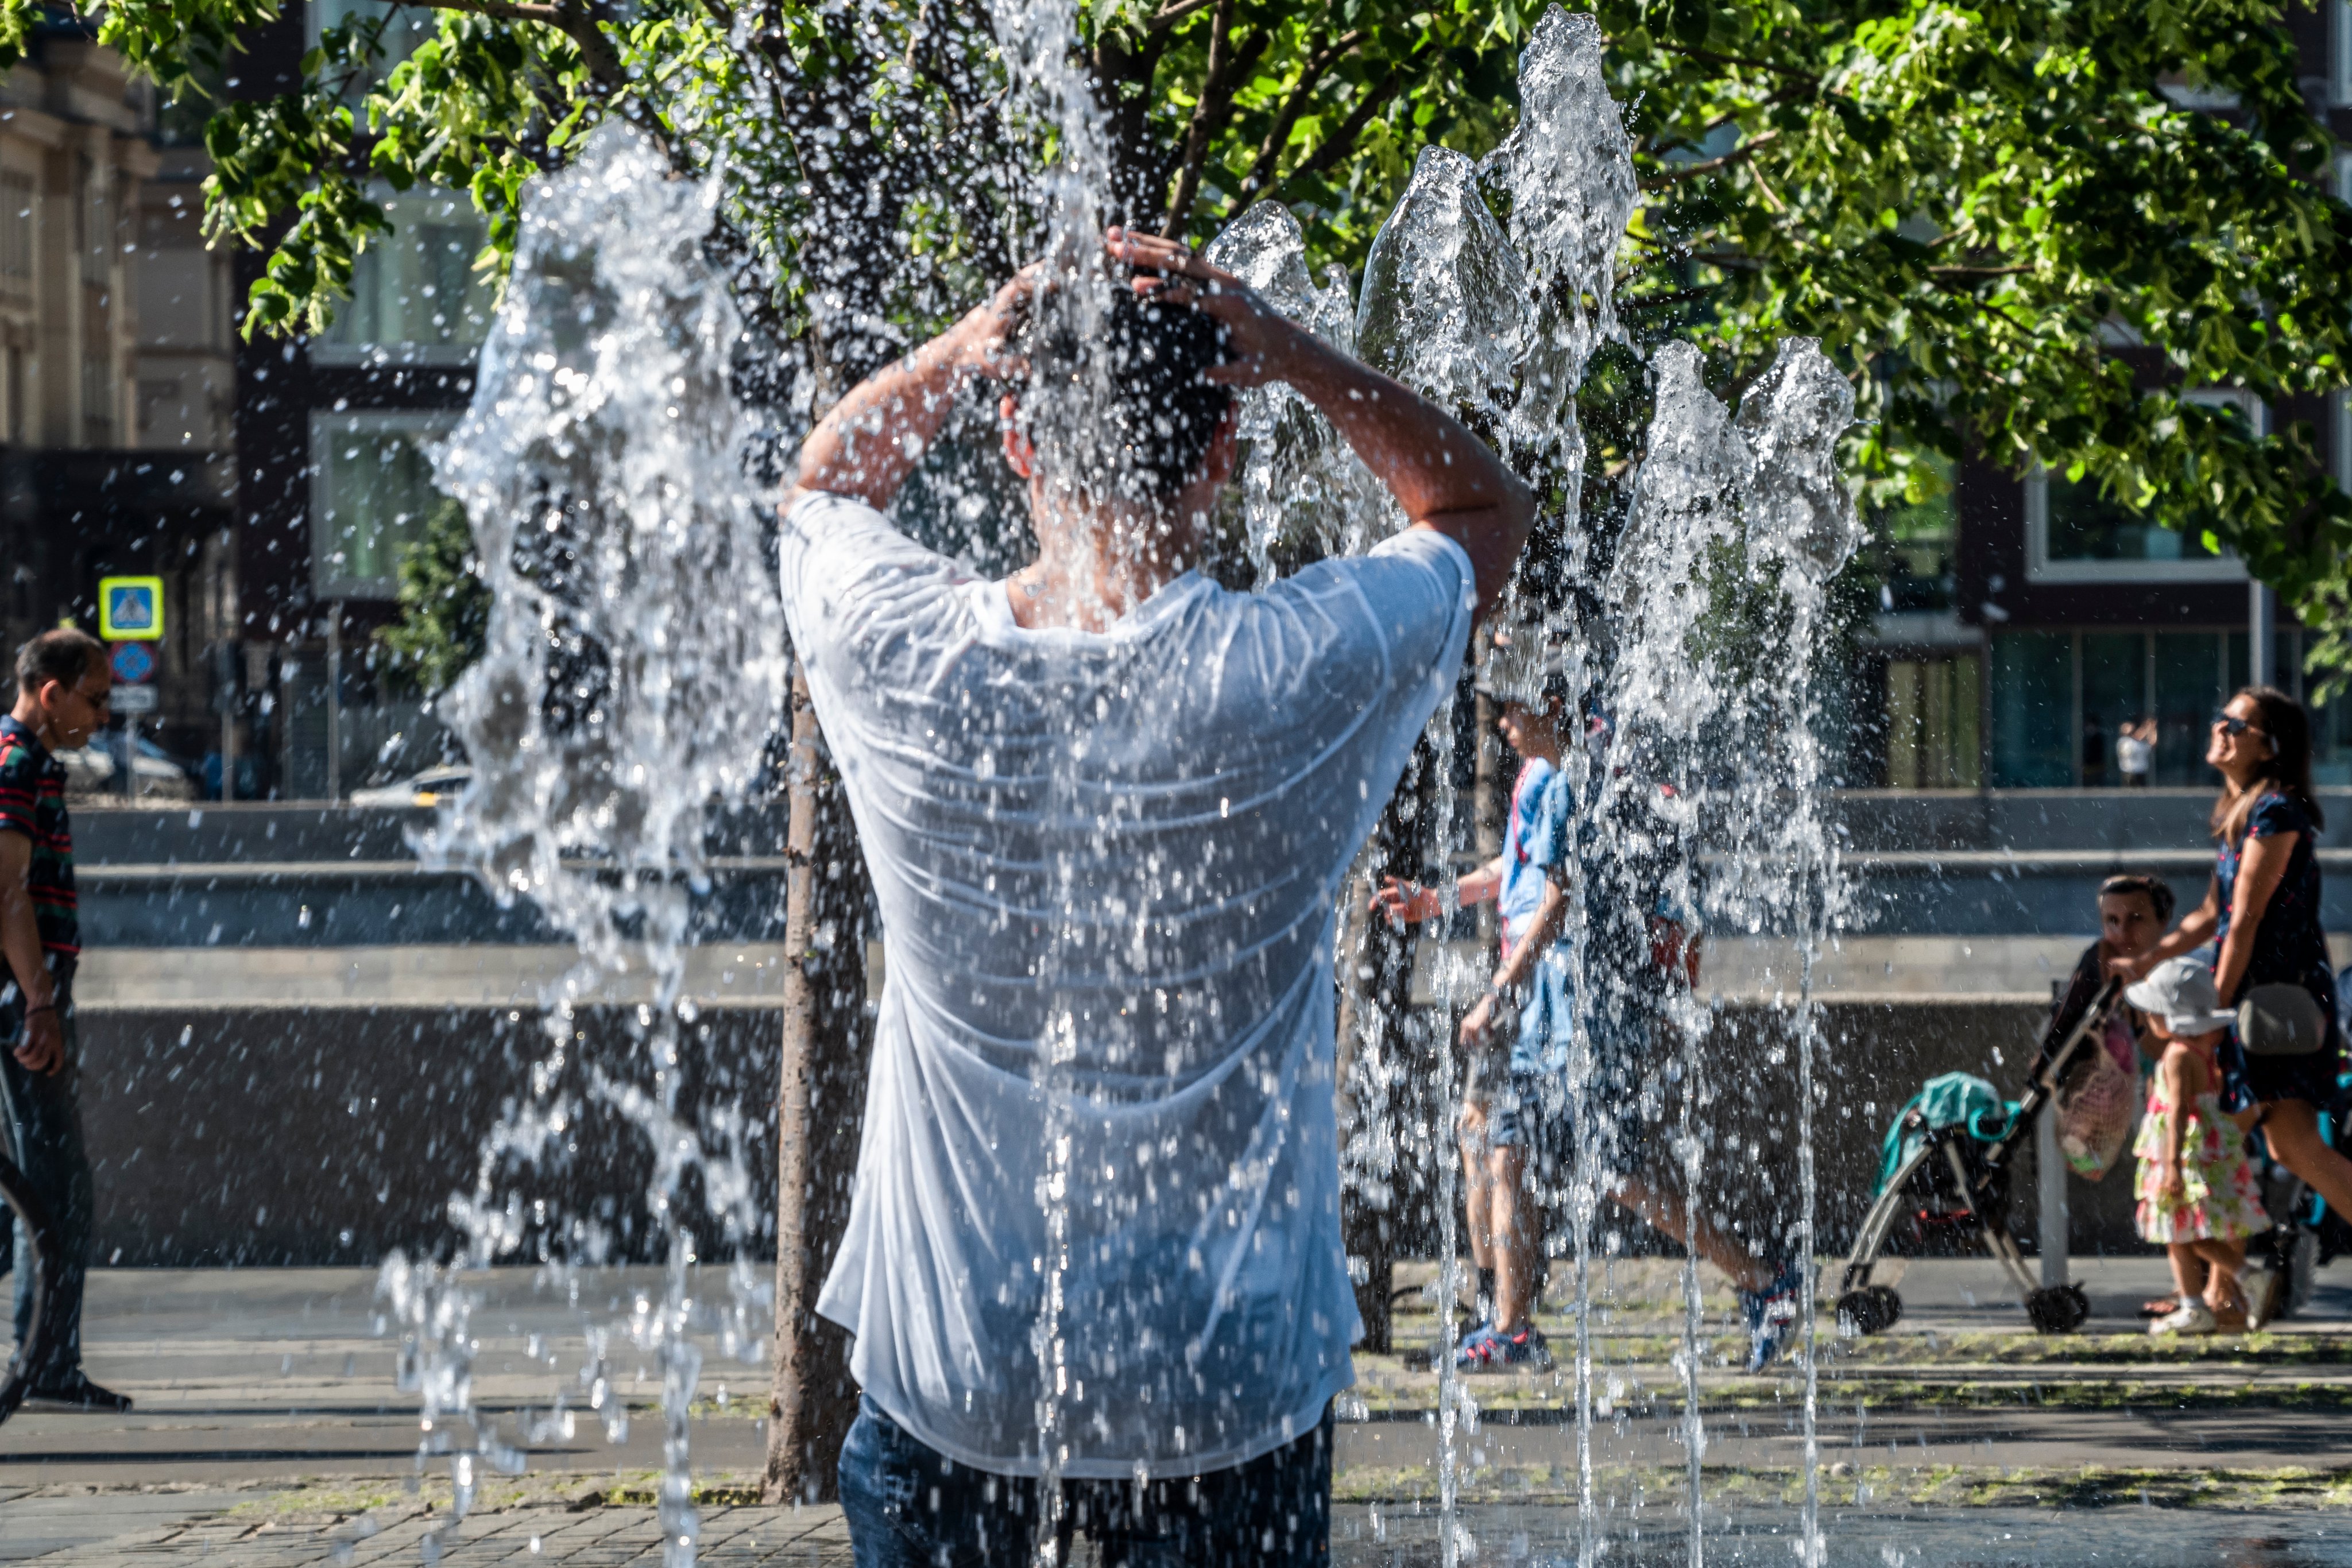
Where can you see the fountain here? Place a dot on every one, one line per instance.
(636, 665)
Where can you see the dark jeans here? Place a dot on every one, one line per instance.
(45, 1113)
(908, 1506)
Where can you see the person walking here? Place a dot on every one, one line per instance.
(1523, 1126)
(2196, 1196)
(2262, 909)
(1107, 806)
(1514, 1111)
(63, 689)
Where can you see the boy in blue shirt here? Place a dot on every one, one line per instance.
(1522, 1120)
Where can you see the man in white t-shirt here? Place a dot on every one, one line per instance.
(1107, 806)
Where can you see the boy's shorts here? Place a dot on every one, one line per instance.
(1537, 1110)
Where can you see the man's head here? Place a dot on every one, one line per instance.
(63, 687)
(2133, 913)
(1119, 409)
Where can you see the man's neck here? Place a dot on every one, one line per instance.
(1089, 577)
(28, 714)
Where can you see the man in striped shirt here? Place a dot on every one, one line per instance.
(63, 690)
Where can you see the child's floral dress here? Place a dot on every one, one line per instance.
(2219, 1200)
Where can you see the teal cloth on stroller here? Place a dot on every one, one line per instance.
(1956, 1099)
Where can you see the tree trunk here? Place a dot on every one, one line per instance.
(819, 1110)
(1375, 1001)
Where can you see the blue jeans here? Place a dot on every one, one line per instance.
(908, 1505)
(45, 1110)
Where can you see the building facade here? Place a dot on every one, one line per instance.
(2026, 619)
(115, 391)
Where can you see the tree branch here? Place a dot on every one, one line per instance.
(1270, 152)
(1967, 272)
(1708, 58)
(1209, 115)
(1335, 147)
(1169, 16)
(1676, 173)
(500, 10)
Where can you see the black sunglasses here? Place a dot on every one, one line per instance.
(2231, 724)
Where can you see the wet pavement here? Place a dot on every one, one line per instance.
(268, 1431)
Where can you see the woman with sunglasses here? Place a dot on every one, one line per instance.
(2262, 908)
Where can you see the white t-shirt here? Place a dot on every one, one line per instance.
(1126, 846)
(2133, 755)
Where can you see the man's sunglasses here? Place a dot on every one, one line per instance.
(104, 699)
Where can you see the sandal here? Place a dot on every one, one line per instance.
(2162, 1307)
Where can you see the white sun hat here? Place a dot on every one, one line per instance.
(2180, 992)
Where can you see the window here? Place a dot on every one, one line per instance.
(1932, 739)
(2339, 50)
(96, 400)
(371, 491)
(17, 231)
(1923, 536)
(2074, 533)
(2032, 709)
(415, 297)
(2060, 700)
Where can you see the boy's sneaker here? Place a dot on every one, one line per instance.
(1487, 1349)
(2259, 1282)
(2192, 1316)
(1772, 1314)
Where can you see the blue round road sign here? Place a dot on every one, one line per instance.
(132, 663)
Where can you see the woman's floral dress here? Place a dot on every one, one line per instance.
(2219, 1200)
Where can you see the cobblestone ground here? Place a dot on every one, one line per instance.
(595, 1538)
(268, 1432)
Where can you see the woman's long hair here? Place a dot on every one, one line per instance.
(2287, 769)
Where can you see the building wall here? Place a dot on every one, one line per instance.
(114, 390)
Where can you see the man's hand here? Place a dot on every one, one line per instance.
(1444, 477)
(1261, 340)
(43, 1049)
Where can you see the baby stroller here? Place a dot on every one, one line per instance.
(1948, 1194)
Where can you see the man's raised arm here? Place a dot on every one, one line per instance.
(1443, 477)
(869, 442)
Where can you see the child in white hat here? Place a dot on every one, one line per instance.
(2197, 1192)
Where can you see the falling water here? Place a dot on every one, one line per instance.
(634, 665)
(624, 689)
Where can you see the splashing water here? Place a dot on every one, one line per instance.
(626, 691)
(620, 696)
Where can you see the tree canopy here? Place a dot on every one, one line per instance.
(2027, 229)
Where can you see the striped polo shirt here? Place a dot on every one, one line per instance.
(33, 802)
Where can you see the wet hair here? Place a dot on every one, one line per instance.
(1121, 405)
(62, 653)
(2287, 727)
(2155, 889)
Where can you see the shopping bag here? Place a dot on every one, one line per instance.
(2098, 1107)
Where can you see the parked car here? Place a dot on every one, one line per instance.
(96, 770)
(422, 789)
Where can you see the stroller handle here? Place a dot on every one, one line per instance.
(2061, 1047)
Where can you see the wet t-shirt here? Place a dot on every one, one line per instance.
(1107, 867)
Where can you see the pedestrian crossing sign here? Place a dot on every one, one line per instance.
(131, 609)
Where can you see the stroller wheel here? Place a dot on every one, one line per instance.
(2061, 1309)
(1874, 1309)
